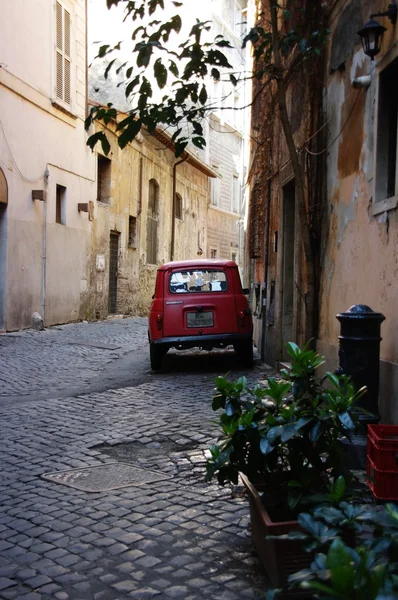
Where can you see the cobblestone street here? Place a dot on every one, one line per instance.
(173, 538)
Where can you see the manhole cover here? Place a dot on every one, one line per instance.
(105, 477)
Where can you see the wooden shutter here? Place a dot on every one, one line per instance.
(62, 54)
(67, 66)
(152, 223)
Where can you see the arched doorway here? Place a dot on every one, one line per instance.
(3, 247)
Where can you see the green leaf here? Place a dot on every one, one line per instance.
(346, 421)
(293, 349)
(129, 133)
(197, 127)
(338, 489)
(223, 44)
(215, 73)
(339, 563)
(108, 68)
(144, 55)
(273, 434)
(215, 57)
(303, 575)
(288, 432)
(203, 95)
(199, 142)
(131, 85)
(302, 422)
(316, 432)
(103, 51)
(180, 146)
(99, 137)
(218, 400)
(173, 68)
(333, 378)
(265, 446)
(307, 523)
(160, 72)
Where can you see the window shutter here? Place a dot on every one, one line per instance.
(63, 58)
(67, 94)
(59, 52)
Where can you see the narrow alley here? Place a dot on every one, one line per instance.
(167, 534)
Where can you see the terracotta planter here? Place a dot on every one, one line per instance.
(280, 558)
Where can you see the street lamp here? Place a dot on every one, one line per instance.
(372, 32)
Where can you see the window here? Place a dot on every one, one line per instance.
(104, 179)
(235, 200)
(387, 123)
(152, 222)
(178, 207)
(239, 20)
(60, 205)
(233, 256)
(213, 253)
(132, 232)
(62, 54)
(215, 188)
(204, 280)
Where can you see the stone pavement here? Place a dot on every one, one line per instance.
(62, 358)
(176, 538)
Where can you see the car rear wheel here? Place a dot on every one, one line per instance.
(244, 351)
(156, 355)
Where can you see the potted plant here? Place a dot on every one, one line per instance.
(365, 569)
(283, 439)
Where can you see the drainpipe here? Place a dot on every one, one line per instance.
(173, 211)
(44, 248)
(266, 265)
(44, 263)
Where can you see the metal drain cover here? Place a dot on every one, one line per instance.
(105, 477)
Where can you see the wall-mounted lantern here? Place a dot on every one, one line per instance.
(372, 32)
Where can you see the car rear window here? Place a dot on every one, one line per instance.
(198, 280)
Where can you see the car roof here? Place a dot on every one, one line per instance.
(199, 263)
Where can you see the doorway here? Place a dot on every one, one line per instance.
(3, 247)
(113, 271)
(288, 261)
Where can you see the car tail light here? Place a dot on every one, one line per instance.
(241, 316)
(159, 321)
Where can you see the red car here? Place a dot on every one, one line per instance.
(200, 303)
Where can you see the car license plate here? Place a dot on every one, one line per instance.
(200, 319)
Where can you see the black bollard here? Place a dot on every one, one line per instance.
(359, 352)
(359, 355)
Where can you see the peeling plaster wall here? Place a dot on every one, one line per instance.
(360, 253)
(136, 278)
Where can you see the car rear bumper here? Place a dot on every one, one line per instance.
(192, 341)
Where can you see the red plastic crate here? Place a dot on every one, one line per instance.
(382, 447)
(384, 484)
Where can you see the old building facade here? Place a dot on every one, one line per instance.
(345, 133)
(46, 170)
(134, 229)
(225, 138)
